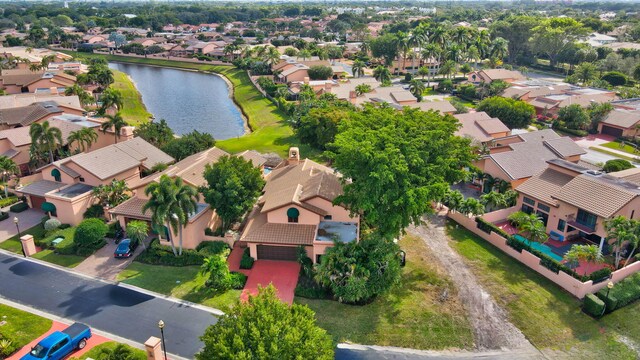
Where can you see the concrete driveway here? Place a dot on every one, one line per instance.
(27, 219)
(103, 265)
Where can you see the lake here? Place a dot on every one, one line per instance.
(186, 100)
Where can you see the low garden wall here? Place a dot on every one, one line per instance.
(562, 279)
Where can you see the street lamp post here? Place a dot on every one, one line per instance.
(17, 221)
(609, 287)
(164, 348)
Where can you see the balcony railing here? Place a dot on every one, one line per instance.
(575, 223)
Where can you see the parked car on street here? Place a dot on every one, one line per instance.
(60, 343)
(125, 248)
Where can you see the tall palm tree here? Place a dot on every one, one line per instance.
(84, 97)
(365, 47)
(382, 74)
(447, 68)
(587, 253)
(358, 68)
(7, 167)
(111, 98)
(84, 137)
(417, 39)
(620, 231)
(272, 57)
(431, 52)
(416, 87)
(186, 205)
(500, 48)
(493, 200)
(44, 136)
(161, 203)
(115, 122)
(403, 45)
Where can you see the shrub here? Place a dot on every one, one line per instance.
(95, 211)
(157, 254)
(64, 226)
(610, 301)
(237, 280)
(113, 228)
(615, 78)
(574, 132)
(488, 227)
(310, 289)
(8, 201)
(7, 346)
(218, 270)
(19, 207)
(210, 248)
(600, 275)
(306, 264)
(593, 306)
(247, 261)
(626, 291)
(4, 215)
(319, 72)
(52, 224)
(89, 236)
(616, 165)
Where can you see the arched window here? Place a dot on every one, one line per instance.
(292, 215)
(56, 175)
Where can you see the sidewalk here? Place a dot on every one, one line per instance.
(619, 153)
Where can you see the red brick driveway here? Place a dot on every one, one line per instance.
(282, 274)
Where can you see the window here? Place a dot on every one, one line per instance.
(526, 200)
(58, 346)
(586, 218)
(544, 207)
(543, 216)
(328, 217)
(56, 175)
(527, 209)
(632, 212)
(292, 215)
(81, 179)
(318, 259)
(561, 225)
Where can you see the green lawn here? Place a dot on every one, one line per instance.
(39, 234)
(21, 327)
(410, 315)
(270, 132)
(626, 148)
(182, 282)
(133, 111)
(598, 149)
(548, 316)
(96, 351)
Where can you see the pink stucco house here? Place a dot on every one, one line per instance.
(297, 209)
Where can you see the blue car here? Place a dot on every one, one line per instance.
(125, 249)
(60, 343)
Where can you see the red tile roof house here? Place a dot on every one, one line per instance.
(574, 201)
(516, 158)
(551, 104)
(297, 209)
(481, 128)
(623, 121)
(66, 185)
(491, 75)
(191, 170)
(19, 81)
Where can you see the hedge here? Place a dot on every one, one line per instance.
(211, 248)
(237, 280)
(247, 261)
(623, 293)
(580, 133)
(610, 301)
(3, 215)
(488, 227)
(593, 305)
(19, 207)
(157, 254)
(8, 201)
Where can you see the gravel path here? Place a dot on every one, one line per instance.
(492, 328)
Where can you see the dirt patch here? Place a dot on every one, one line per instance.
(491, 326)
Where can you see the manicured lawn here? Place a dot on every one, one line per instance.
(598, 149)
(182, 282)
(94, 353)
(410, 315)
(626, 148)
(270, 132)
(21, 327)
(548, 316)
(134, 111)
(39, 234)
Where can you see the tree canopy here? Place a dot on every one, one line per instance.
(397, 163)
(513, 113)
(189, 144)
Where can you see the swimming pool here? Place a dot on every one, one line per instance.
(540, 247)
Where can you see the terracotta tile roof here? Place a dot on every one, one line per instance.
(631, 175)
(622, 118)
(41, 187)
(191, 169)
(27, 115)
(17, 136)
(602, 195)
(132, 208)
(260, 231)
(500, 74)
(442, 106)
(20, 79)
(18, 100)
(255, 157)
(545, 184)
(479, 126)
(565, 147)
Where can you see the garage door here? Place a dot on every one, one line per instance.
(608, 130)
(266, 252)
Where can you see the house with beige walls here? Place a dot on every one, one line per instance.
(481, 128)
(296, 209)
(575, 202)
(490, 75)
(191, 170)
(66, 185)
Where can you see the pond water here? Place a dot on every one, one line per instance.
(187, 100)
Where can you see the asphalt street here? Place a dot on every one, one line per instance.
(106, 307)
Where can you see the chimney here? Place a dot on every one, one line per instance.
(306, 80)
(53, 90)
(294, 156)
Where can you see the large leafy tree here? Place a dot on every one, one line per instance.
(189, 144)
(115, 123)
(385, 47)
(552, 36)
(512, 112)
(395, 163)
(156, 133)
(233, 185)
(45, 138)
(574, 117)
(320, 126)
(517, 31)
(266, 328)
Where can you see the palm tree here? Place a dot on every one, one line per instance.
(500, 48)
(587, 253)
(382, 74)
(186, 205)
(115, 122)
(84, 137)
(365, 47)
(137, 231)
(471, 206)
(44, 136)
(84, 97)
(529, 225)
(228, 50)
(272, 57)
(119, 352)
(362, 89)
(493, 200)
(431, 52)
(161, 203)
(423, 71)
(453, 200)
(622, 231)
(304, 54)
(416, 87)
(403, 45)
(358, 68)
(416, 40)
(586, 72)
(447, 68)
(111, 98)
(8, 167)
(112, 194)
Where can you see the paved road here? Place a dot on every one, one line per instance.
(110, 308)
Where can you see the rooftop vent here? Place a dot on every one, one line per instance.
(594, 172)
